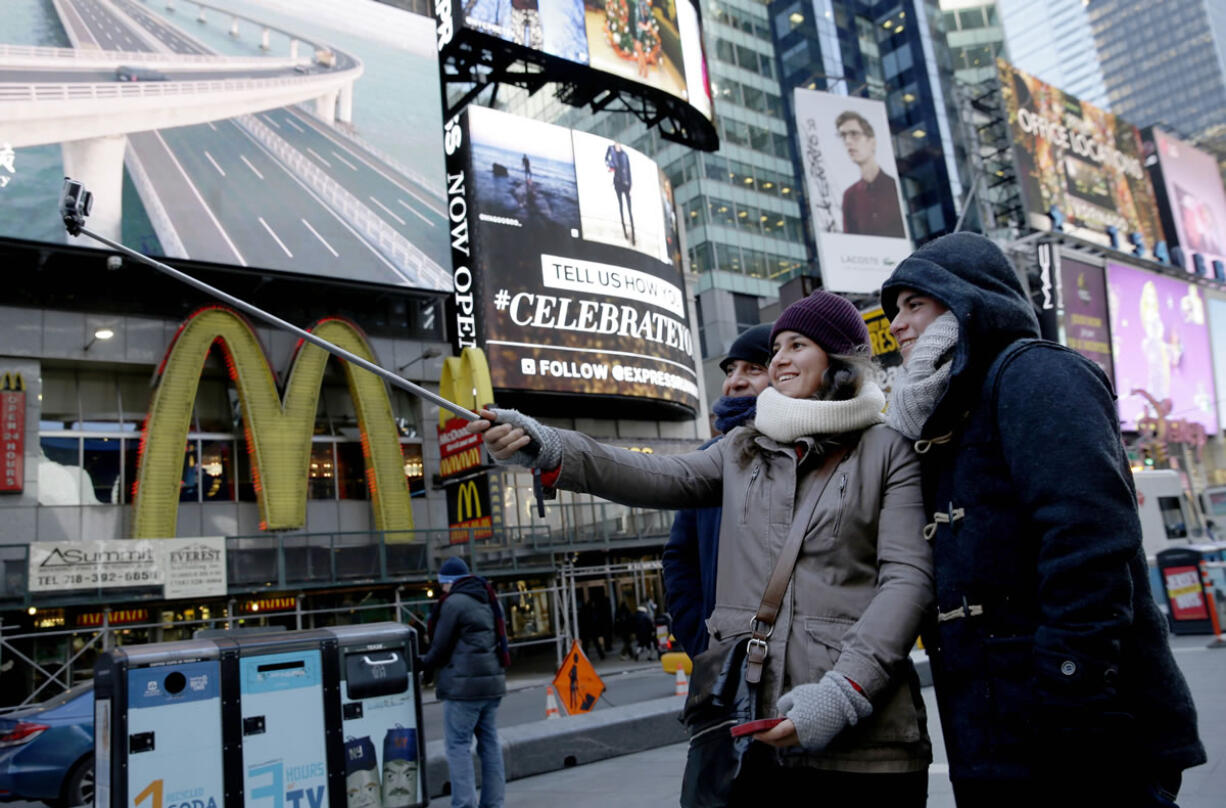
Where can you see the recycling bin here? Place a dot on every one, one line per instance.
(326, 718)
(158, 726)
(1183, 588)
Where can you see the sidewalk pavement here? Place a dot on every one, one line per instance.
(538, 669)
(653, 777)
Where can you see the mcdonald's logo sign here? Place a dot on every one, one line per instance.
(12, 432)
(278, 425)
(466, 381)
(468, 509)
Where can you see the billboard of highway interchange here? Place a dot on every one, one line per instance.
(293, 135)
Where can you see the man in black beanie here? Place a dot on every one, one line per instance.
(468, 647)
(690, 556)
(1053, 675)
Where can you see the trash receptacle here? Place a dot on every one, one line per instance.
(326, 718)
(1179, 569)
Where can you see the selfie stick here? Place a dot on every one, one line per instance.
(335, 350)
(74, 214)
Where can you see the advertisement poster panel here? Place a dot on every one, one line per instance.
(851, 180)
(183, 567)
(1074, 156)
(1189, 184)
(12, 433)
(653, 42)
(886, 356)
(470, 508)
(1160, 341)
(266, 134)
(1084, 318)
(566, 262)
(1217, 338)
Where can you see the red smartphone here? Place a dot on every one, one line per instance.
(752, 727)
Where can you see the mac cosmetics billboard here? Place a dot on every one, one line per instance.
(566, 261)
(1084, 317)
(656, 43)
(1074, 156)
(851, 180)
(1160, 341)
(1189, 186)
(269, 134)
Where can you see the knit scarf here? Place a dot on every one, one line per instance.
(732, 411)
(787, 420)
(503, 649)
(925, 377)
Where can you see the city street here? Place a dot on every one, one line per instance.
(653, 777)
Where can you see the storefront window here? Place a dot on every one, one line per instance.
(189, 486)
(351, 471)
(414, 469)
(217, 471)
(246, 479)
(131, 464)
(102, 464)
(322, 474)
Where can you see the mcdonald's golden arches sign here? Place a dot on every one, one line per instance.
(278, 424)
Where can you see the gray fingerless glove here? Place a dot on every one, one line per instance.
(550, 456)
(823, 710)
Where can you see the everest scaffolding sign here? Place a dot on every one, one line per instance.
(182, 568)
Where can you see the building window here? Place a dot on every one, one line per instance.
(745, 309)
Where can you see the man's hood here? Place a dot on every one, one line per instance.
(472, 586)
(973, 278)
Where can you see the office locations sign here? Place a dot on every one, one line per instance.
(852, 184)
(1073, 156)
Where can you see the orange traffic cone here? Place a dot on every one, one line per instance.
(551, 703)
(683, 684)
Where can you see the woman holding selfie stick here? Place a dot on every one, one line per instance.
(823, 572)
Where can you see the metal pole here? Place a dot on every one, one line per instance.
(254, 311)
(970, 197)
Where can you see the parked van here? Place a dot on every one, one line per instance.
(1167, 514)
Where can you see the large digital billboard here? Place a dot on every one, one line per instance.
(1189, 186)
(1084, 316)
(1073, 156)
(258, 133)
(1160, 341)
(851, 180)
(1217, 332)
(655, 43)
(567, 264)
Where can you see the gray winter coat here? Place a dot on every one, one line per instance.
(463, 650)
(860, 587)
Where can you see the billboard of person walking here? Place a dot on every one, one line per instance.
(852, 185)
(567, 270)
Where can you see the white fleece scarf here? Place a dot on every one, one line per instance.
(787, 420)
(924, 378)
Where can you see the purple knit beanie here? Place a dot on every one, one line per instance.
(827, 319)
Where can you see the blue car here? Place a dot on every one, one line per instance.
(47, 751)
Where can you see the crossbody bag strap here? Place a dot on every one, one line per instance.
(763, 624)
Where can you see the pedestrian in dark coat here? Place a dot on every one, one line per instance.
(468, 649)
(1053, 673)
(692, 552)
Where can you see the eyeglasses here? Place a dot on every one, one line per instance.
(851, 134)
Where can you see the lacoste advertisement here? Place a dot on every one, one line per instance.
(851, 180)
